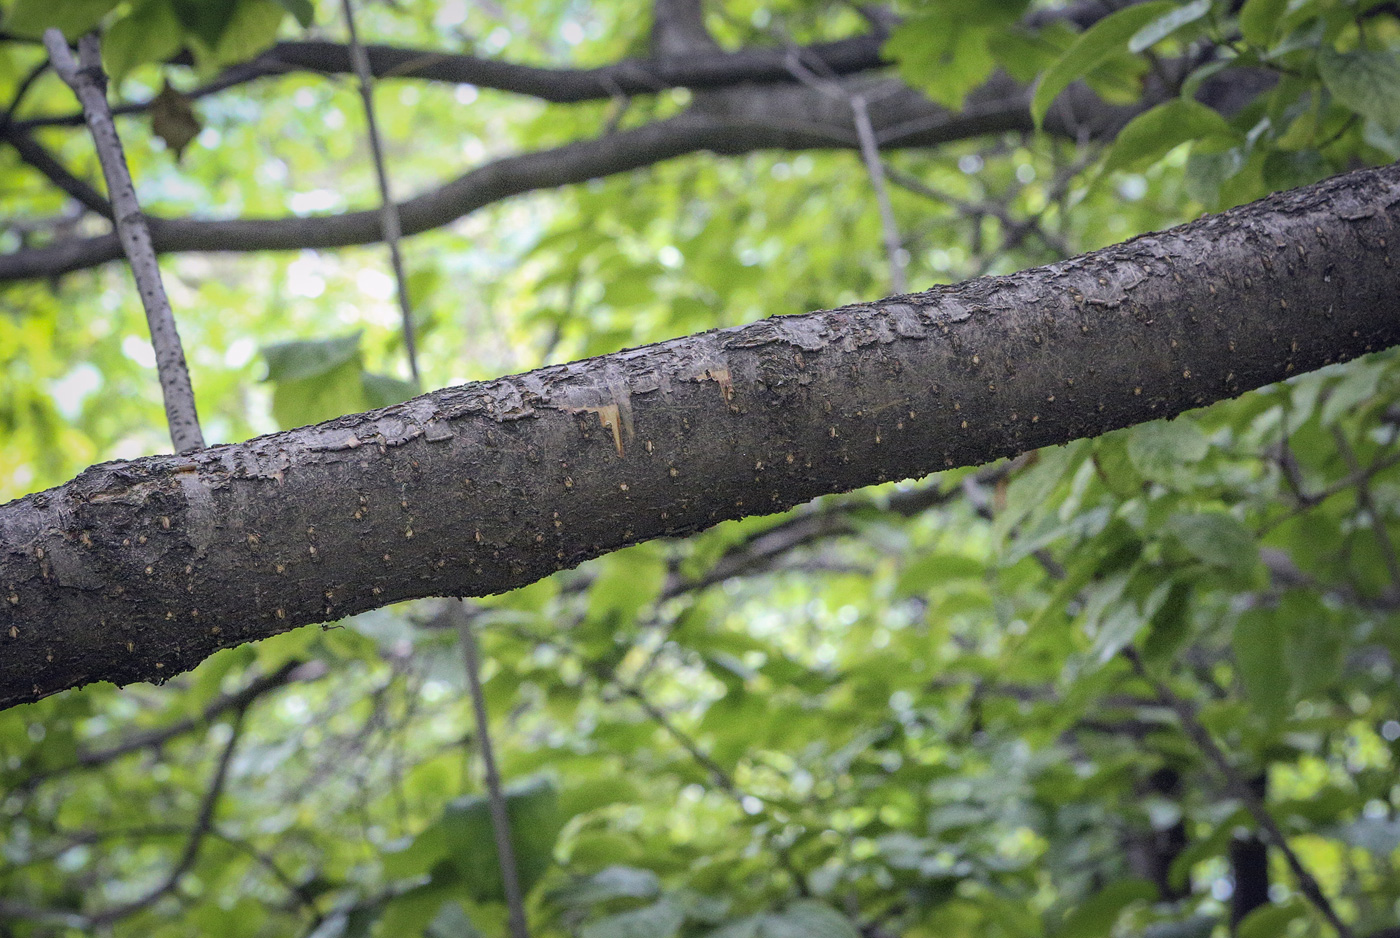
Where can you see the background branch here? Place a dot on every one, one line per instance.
(1240, 788)
(496, 801)
(388, 210)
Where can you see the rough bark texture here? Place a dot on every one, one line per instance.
(138, 570)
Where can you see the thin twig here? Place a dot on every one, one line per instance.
(1239, 787)
(717, 772)
(38, 156)
(389, 210)
(89, 83)
(870, 153)
(34, 75)
(500, 820)
(156, 738)
(1368, 504)
(204, 823)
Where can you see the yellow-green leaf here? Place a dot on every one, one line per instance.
(1153, 134)
(1366, 82)
(151, 33)
(1108, 36)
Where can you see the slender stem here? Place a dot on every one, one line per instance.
(500, 821)
(870, 153)
(33, 153)
(34, 75)
(89, 83)
(1368, 504)
(389, 210)
(1240, 788)
(203, 825)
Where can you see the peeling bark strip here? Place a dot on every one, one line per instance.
(138, 570)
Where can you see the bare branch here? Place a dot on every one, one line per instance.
(697, 70)
(155, 738)
(678, 29)
(774, 117)
(496, 801)
(870, 153)
(1240, 788)
(90, 85)
(37, 156)
(93, 574)
(389, 209)
(204, 823)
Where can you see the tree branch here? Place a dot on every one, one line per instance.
(37, 156)
(89, 84)
(155, 738)
(696, 70)
(138, 570)
(388, 208)
(495, 797)
(777, 117)
(1240, 788)
(870, 155)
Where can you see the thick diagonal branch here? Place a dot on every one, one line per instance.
(138, 570)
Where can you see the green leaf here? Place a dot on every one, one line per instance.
(615, 882)
(384, 390)
(315, 379)
(29, 18)
(1170, 626)
(307, 358)
(205, 19)
(661, 920)
(938, 568)
(1158, 448)
(628, 582)
(1258, 644)
(589, 794)
(470, 840)
(1215, 538)
(1122, 623)
(1367, 82)
(943, 56)
(1315, 641)
(1095, 917)
(807, 918)
(1270, 921)
(1096, 45)
(1154, 133)
(252, 28)
(1166, 24)
(1259, 20)
(330, 394)
(304, 12)
(151, 33)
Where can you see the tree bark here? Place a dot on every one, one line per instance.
(138, 570)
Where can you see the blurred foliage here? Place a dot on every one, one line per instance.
(905, 711)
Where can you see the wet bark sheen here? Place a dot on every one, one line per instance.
(136, 571)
